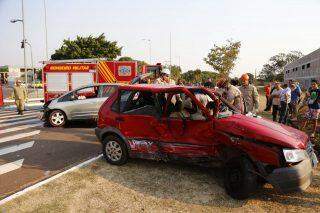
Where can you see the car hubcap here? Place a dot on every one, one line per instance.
(57, 118)
(113, 150)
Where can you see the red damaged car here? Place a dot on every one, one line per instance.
(195, 125)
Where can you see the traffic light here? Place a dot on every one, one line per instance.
(22, 44)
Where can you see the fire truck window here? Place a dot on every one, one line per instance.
(81, 79)
(106, 91)
(57, 82)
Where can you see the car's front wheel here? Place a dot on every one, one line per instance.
(240, 179)
(114, 150)
(57, 118)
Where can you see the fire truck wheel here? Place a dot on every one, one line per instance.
(57, 118)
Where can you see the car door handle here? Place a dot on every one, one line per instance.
(119, 119)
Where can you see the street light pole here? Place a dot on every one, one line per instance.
(34, 87)
(24, 47)
(45, 26)
(170, 52)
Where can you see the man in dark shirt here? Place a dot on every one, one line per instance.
(312, 115)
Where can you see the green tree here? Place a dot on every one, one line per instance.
(198, 76)
(208, 74)
(188, 76)
(87, 47)
(125, 58)
(274, 68)
(223, 58)
(175, 72)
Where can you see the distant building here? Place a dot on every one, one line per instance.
(304, 69)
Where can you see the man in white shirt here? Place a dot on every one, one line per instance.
(275, 97)
(285, 99)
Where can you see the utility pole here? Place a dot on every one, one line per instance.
(45, 27)
(170, 52)
(31, 58)
(24, 47)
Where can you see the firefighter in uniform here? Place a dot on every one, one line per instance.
(250, 95)
(20, 96)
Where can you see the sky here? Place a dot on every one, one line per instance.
(264, 27)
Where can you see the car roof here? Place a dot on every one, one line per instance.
(155, 87)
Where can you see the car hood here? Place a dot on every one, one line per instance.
(263, 130)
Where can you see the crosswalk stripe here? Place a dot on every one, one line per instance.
(15, 148)
(8, 167)
(19, 136)
(6, 112)
(19, 122)
(18, 128)
(17, 118)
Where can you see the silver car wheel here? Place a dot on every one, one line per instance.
(113, 150)
(57, 118)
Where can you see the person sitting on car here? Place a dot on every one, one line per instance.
(179, 111)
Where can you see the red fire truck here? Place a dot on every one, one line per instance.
(61, 76)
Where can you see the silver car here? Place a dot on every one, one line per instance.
(82, 103)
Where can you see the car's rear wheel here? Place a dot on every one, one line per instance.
(114, 150)
(57, 118)
(240, 179)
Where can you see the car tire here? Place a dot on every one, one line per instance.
(114, 150)
(240, 181)
(57, 118)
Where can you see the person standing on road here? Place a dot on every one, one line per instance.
(20, 96)
(267, 90)
(250, 95)
(285, 99)
(295, 97)
(312, 115)
(275, 97)
(164, 78)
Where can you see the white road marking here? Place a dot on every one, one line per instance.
(6, 112)
(8, 167)
(18, 136)
(20, 122)
(16, 118)
(18, 128)
(15, 148)
(37, 185)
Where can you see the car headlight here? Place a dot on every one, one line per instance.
(295, 155)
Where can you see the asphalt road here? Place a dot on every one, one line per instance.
(31, 152)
